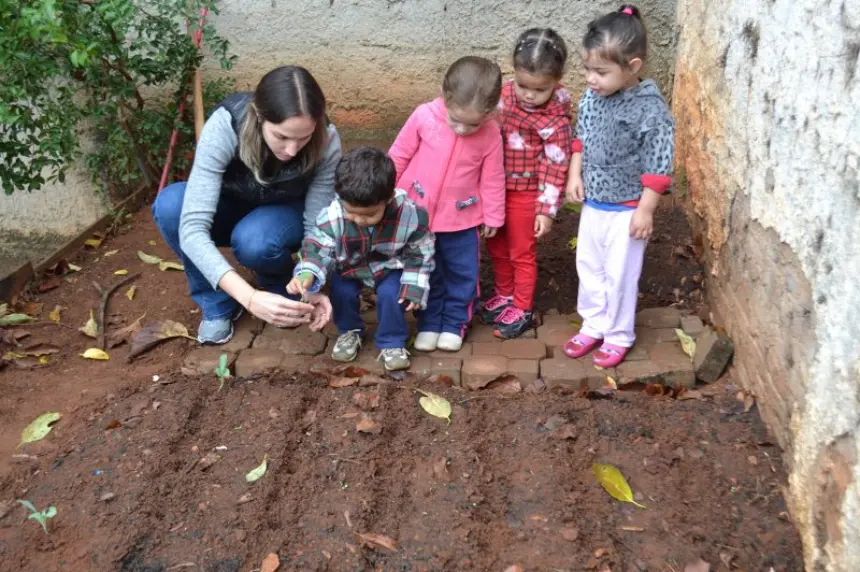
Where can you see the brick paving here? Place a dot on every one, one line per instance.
(657, 356)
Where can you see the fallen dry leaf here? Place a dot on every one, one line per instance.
(130, 293)
(370, 379)
(31, 308)
(54, 315)
(445, 380)
(109, 253)
(270, 563)
(94, 242)
(514, 568)
(349, 370)
(91, 328)
(632, 529)
(125, 334)
(120, 272)
(377, 540)
(95, 353)
(508, 384)
(654, 389)
(368, 425)
(166, 265)
(154, 333)
(50, 284)
(148, 258)
(350, 415)
(342, 381)
(151, 242)
(366, 401)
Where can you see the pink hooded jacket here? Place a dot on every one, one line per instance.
(460, 180)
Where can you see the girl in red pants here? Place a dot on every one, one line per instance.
(535, 116)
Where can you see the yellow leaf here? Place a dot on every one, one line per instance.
(44, 360)
(435, 405)
(131, 292)
(54, 315)
(90, 329)
(166, 265)
(109, 253)
(39, 428)
(572, 244)
(95, 353)
(9, 356)
(614, 483)
(610, 382)
(688, 344)
(148, 258)
(121, 272)
(151, 243)
(74, 267)
(94, 242)
(255, 475)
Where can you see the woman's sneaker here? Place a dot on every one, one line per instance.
(493, 308)
(347, 345)
(217, 331)
(513, 322)
(394, 359)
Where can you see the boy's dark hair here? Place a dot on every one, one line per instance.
(541, 51)
(365, 177)
(473, 82)
(618, 36)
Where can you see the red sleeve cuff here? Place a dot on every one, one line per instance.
(577, 146)
(657, 183)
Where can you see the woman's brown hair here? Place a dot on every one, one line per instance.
(284, 92)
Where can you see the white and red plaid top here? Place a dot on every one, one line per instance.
(537, 146)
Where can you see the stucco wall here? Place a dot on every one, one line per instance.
(766, 96)
(377, 59)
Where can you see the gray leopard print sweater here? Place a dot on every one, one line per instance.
(626, 138)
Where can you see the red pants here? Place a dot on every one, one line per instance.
(514, 250)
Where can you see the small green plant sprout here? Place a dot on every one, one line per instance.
(222, 371)
(40, 516)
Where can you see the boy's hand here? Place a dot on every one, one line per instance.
(299, 284)
(321, 313)
(488, 231)
(642, 224)
(543, 224)
(575, 191)
(410, 306)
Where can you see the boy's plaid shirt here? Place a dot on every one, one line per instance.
(537, 146)
(401, 241)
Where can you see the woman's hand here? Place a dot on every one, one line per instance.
(280, 311)
(543, 224)
(321, 313)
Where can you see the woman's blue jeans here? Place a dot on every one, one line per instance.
(263, 239)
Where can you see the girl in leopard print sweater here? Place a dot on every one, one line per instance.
(622, 160)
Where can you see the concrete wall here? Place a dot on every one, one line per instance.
(766, 96)
(377, 59)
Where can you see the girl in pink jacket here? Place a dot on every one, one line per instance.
(449, 159)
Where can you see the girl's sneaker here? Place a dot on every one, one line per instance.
(346, 347)
(394, 359)
(493, 308)
(450, 342)
(426, 341)
(513, 322)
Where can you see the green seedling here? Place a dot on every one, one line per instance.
(222, 371)
(40, 516)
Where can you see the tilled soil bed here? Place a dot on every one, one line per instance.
(153, 479)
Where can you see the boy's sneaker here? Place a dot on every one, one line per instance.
(493, 308)
(394, 359)
(346, 347)
(216, 331)
(513, 322)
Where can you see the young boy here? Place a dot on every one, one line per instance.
(373, 236)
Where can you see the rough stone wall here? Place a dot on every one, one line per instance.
(377, 59)
(766, 96)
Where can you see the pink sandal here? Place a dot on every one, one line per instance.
(609, 355)
(579, 345)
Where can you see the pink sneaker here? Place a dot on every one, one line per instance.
(494, 307)
(609, 355)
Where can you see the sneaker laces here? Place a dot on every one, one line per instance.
(496, 302)
(510, 315)
(349, 338)
(396, 353)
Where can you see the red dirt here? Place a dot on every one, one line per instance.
(509, 492)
